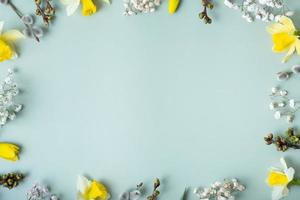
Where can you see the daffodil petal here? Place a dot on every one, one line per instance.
(289, 53)
(278, 193)
(298, 47)
(1, 26)
(285, 191)
(290, 172)
(71, 6)
(12, 36)
(285, 25)
(283, 163)
(107, 1)
(288, 23)
(66, 2)
(276, 28)
(80, 197)
(83, 184)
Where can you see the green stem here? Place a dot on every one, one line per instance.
(297, 32)
(295, 181)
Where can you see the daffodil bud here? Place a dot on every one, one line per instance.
(9, 151)
(173, 5)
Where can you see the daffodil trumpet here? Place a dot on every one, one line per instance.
(280, 179)
(285, 37)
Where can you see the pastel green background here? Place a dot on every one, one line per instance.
(127, 99)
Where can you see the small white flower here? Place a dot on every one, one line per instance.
(289, 13)
(277, 115)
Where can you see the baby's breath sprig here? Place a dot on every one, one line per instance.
(45, 9)
(31, 30)
(155, 192)
(40, 192)
(8, 93)
(220, 190)
(207, 4)
(283, 143)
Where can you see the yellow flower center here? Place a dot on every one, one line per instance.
(96, 191)
(88, 7)
(277, 178)
(6, 52)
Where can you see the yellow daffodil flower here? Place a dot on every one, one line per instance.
(88, 6)
(91, 190)
(9, 151)
(6, 43)
(285, 37)
(173, 5)
(279, 179)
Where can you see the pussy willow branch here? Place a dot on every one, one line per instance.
(40, 10)
(203, 15)
(46, 13)
(20, 15)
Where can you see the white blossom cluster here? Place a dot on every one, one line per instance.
(40, 192)
(133, 7)
(220, 190)
(8, 92)
(265, 10)
(282, 105)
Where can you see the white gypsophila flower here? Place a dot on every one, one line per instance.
(264, 10)
(220, 190)
(40, 192)
(8, 92)
(133, 7)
